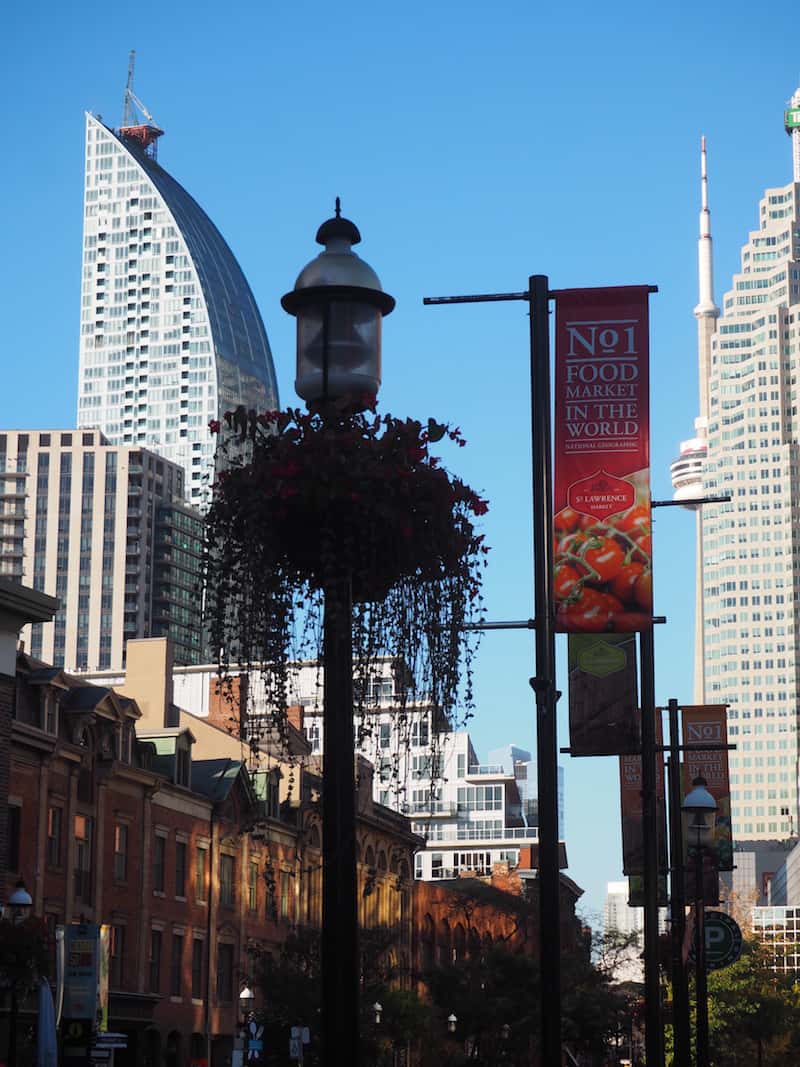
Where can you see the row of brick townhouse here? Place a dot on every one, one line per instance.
(125, 810)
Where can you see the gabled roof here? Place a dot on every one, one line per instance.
(215, 778)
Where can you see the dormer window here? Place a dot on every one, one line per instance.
(183, 767)
(50, 716)
(273, 797)
(126, 741)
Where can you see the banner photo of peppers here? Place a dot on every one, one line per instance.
(603, 697)
(601, 498)
(707, 724)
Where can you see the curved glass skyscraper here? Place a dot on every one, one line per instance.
(170, 333)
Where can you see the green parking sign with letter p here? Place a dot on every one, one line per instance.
(723, 941)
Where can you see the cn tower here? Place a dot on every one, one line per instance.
(687, 469)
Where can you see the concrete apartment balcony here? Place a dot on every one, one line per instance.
(481, 772)
(441, 808)
(478, 833)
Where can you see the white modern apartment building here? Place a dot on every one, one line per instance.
(170, 333)
(749, 554)
(105, 529)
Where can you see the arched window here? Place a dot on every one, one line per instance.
(459, 943)
(428, 943)
(444, 943)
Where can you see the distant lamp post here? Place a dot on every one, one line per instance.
(377, 1007)
(20, 903)
(247, 999)
(451, 1023)
(19, 908)
(339, 306)
(699, 809)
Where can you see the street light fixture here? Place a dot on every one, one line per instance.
(339, 305)
(699, 809)
(377, 1007)
(20, 903)
(451, 1023)
(247, 999)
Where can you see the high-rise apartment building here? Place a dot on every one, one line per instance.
(104, 528)
(170, 333)
(748, 446)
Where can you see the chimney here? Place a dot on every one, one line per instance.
(294, 713)
(148, 680)
(227, 704)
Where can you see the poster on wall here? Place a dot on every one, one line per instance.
(82, 971)
(601, 494)
(603, 697)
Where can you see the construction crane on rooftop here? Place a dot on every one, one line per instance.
(146, 133)
(131, 101)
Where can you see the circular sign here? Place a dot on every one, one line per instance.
(723, 941)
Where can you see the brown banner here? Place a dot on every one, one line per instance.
(601, 493)
(603, 702)
(630, 773)
(636, 891)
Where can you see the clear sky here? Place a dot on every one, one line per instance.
(473, 145)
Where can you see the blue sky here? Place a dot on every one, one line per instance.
(473, 147)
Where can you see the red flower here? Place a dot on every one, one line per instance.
(214, 425)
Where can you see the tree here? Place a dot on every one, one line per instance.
(754, 1010)
(292, 993)
(486, 991)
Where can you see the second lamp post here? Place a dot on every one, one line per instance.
(699, 808)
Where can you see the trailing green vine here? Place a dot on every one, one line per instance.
(303, 500)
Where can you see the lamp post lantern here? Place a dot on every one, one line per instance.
(451, 1023)
(699, 808)
(339, 305)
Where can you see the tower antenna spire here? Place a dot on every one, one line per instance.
(792, 127)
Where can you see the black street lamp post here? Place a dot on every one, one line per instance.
(538, 296)
(702, 807)
(339, 305)
(19, 906)
(677, 902)
(246, 1001)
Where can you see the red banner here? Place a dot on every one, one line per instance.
(601, 496)
(630, 780)
(707, 724)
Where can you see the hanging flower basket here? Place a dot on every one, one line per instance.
(303, 500)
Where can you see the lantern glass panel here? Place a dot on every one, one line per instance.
(353, 350)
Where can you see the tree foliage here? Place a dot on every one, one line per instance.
(291, 982)
(754, 1011)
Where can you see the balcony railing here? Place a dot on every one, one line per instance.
(432, 807)
(480, 833)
